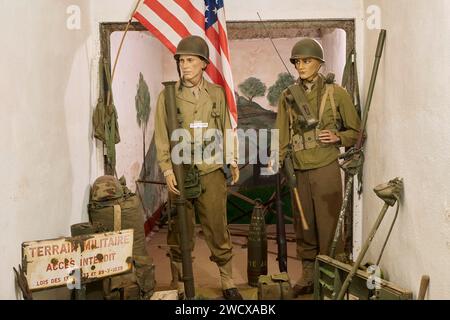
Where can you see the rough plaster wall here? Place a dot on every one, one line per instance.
(292, 9)
(409, 137)
(334, 45)
(48, 89)
(46, 148)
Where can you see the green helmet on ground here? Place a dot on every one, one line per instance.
(307, 48)
(193, 46)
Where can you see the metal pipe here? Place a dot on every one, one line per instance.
(378, 54)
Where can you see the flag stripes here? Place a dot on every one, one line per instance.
(172, 20)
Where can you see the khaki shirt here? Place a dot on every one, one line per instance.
(193, 109)
(347, 129)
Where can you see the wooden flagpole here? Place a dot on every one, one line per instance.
(123, 39)
(108, 98)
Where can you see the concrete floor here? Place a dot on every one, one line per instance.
(206, 274)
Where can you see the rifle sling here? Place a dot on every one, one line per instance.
(299, 95)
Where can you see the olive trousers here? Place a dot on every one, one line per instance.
(320, 192)
(212, 213)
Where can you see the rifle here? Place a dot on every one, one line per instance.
(180, 201)
(354, 158)
(291, 180)
(281, 229)
(288, 165)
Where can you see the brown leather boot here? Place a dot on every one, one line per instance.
(229, 290)
(306, 283)
(231, 294)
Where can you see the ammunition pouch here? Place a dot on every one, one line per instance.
(275, 287)
(310, 139)
(306, 140)
(192, 185)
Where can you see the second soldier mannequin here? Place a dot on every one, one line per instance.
(314, 149)
(200, 104)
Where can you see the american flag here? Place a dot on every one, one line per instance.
(172, 20)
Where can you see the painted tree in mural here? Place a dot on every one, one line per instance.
(252, 87)
(142, 109)
(284, 80)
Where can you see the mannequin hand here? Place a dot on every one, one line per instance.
(171, 182)
(234, 173)
(273, 164)
(328, 137)
(270, 169)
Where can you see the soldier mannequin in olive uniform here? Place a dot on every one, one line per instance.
(314, 152)
(197, 101)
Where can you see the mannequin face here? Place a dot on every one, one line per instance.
(308, 68)
(192, 68)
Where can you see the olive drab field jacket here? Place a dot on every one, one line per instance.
(209, 110)
(344, 121)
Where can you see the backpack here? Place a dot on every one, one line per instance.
(113, 207)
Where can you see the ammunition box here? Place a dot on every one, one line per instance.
(275, 287)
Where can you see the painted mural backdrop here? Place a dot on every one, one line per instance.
(259, 78)
(136, 86)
